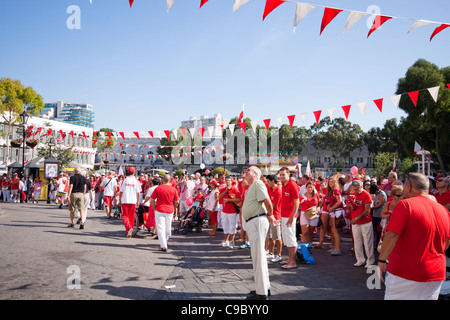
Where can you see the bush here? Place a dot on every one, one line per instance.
(219, 171)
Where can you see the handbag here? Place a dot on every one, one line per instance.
(340, 222)
(312, 212)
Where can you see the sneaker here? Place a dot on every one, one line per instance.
(81, 226)
(270, 256)
(231, 246)
(245, 245)
(335, 252)
(276, 259)
(130, 233)
(225, 244)
(359, 264)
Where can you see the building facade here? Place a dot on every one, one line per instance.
(80, 114)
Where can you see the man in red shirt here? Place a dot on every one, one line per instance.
(15, 188)
(231, 198)
(443, 195)
(164, 201)
(417, 236)
(289, 208)
(274, 234)
(361, 221)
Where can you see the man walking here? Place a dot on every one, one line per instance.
(129, 200)
(109, 185)
(164, 201)
(417, 236)
(77, 190)
(257, 213)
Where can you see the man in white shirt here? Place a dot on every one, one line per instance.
(129, 200)
(109, 185)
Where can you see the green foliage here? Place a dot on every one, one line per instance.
(219, 171)
(63, 155)
(103, 146)
(384, 162)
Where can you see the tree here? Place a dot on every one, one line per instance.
(384, 139)
(107, 144)
(339, 136)
(428, 122)
(63, 155)
(14, 99)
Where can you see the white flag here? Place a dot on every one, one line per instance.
(396, 99)
(362, 107)
(231, 127)
(192, 131)
(169, 4)
(303, 116)
(237, 4)
(331, 113)
(419, 23)
(279, 121)
(353, 18)
(301, 11)
(175, 131)
(434, 92)
(254, 124)
(417, 148)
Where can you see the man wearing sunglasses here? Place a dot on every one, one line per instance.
(418, 234)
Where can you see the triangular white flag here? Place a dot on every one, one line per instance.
(331, 113)
(210, 130)
(303, 116)
(396, 99)
(254, 124)
(419, 23)
(362, 107)
(238, 3)
(301, 11)
(434, 92)
(169, 4)
(192, 131)
(231, 127)
(158, 134)
(279, 121)
(353, 18)
(175, 131)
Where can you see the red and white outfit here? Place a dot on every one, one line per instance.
(416, 267)
(305, 204)
(362, 230)
(149, 213)
(15, 182)
(289, 193)
(229, 216)
(109, 185)
(166, 197)
(62, 187)
(130, 195)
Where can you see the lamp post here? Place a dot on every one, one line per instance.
(24, 116)
(224, 154)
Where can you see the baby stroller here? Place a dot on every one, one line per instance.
(193, 219)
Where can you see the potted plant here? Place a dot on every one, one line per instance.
(32, 143)
(16, 143)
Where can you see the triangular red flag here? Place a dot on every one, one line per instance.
(94, 142)
(136, 134)
(221, 126)
(63, 135)
(291, 119)
(84, 134)
(267, 123)
(203, 2)
(317, 115)
(71, 133)
(439, 29)
(379, 103)
(167, 132)
(131, 3)
(150, 133)
(414, 96)
(243, 125)
(109, 135)
(122, 135)
(108, 143)
(270, 6)
(448, 85)
(328, 15)
(183, 130)
(346, 110)
(379, 20)
(121, 144)
(202, 130)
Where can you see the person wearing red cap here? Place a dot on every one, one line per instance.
(129, 200)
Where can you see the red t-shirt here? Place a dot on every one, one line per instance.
(15, 184)
(424, 229)
(275, 198)
(289, 193)
(360, 205)
(228, 207)
(333, 199)
(306, 203)
(443, 198)
(165, 196)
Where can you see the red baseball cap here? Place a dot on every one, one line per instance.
(131, 170)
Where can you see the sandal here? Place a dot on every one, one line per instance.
(286, 266)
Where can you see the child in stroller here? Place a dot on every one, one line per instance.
(194, 216)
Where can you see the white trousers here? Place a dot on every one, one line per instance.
(363, 235)
(398, 288)
(164, 227)
(257, 231)
(229, 223)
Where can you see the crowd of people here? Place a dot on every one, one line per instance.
(301, 206)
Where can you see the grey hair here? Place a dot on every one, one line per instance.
(418, 181)
(257, 171)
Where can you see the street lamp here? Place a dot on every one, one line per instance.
(24, 116)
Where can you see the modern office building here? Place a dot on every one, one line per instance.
(80, 114)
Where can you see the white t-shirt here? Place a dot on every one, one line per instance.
(130, 187)
(110, 188)
(62, 184)
(210, 199)
(148, 195)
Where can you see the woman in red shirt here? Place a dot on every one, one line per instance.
(309, 200)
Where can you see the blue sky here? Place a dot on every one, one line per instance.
(145, 69)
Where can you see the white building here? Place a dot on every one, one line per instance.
(212, 125)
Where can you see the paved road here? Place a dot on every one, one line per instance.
(40, 254)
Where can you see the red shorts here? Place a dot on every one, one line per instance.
(213, 216)
(108, 200)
